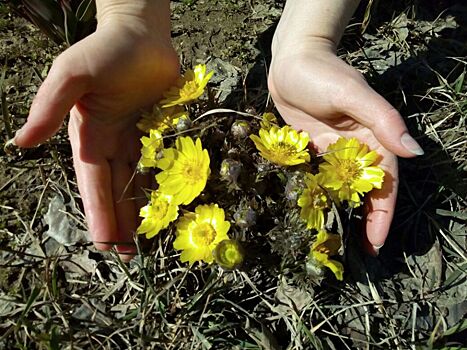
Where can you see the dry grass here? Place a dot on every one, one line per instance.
(55, 296)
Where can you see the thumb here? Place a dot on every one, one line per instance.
(56, 96)
(370, 109)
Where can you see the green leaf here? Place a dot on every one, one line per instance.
(456, 277)
(47, 15)
(34, 294)
(460, 327)
(459, 83)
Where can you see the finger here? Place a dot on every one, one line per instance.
(94, 183)
(63, 86)
(370, 109)
(125, 209)
(380, 205)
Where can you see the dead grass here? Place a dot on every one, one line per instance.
(56, 296)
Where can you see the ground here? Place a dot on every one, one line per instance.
(57, 292)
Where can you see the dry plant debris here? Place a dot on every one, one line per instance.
(413, 296)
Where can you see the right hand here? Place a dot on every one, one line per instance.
(105, 80)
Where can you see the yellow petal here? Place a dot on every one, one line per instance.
(336, 267)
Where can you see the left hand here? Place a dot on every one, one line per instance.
(317, 92)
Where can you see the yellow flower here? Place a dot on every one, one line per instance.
(157, 215)
(228, 254)
(268, 120)
(347, 170)
(189, 87)
(162, 118)
(185, 170)
(326, 245)
(200, 232)
(151, 146)
(283, 146)
(313, 201)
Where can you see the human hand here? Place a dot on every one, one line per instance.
(106, 80)
(317, 92)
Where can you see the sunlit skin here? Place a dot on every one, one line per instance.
(106, 80)
(316, 91)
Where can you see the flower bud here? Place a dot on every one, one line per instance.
(268, 120)
(230, 170)
(183, 124)
(240, 129)
(294, 186)
(245, 217)
(229, 254)
(314, 269)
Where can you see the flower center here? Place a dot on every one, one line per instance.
(318, 198)
(348, 170)
(282, 152)
(189, 89)
(323, 249)
(191, 173)
(285, 148)
(160, 209)
(203, 234)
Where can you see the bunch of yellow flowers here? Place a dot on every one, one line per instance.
(184, 171)
(346, 172)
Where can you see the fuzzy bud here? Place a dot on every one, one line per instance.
(314, 269)
(294, 186)
(240, 129)
(183, 124)
(230, 170)
(245, 217)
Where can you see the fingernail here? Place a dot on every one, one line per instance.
(411, 145)
(10, 146)
(376, 248)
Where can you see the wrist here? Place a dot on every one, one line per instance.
(306, 23)
(147, 17)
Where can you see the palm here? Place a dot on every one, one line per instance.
(107, 79)
(327, 98)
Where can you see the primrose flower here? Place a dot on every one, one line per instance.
(313, 201)
(185, 170)
(151, 146)
(268, 120)
(348, 172)
(283, 146)
(326, 245)
(200, 232)
(162, 118)
(189, 87)
(157, 215)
